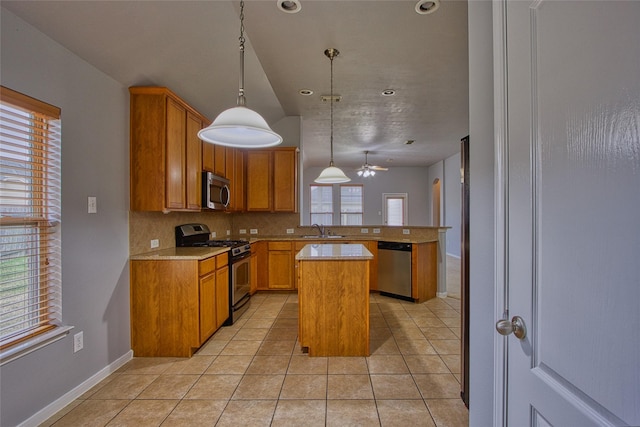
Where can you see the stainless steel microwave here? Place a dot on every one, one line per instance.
(215, 191)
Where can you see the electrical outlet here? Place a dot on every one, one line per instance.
(253, 231)
(155, 243)
(290, 231)
(243, 231)
(78, 342)
(406, 231)
(376, 231)
(92, 205)
(213, 234)
(228, 232)
(364, 230)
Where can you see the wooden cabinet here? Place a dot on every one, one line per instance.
(281, 265)
(424, 271)
(261, 252)
(271, 180)
(214, 159)
(235, 174)
(165, 152)
(334, 307)
(176, 305)
(222, 290)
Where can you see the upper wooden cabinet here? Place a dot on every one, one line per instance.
(214, 159)
(235, 174)
(165, 152)
(272, 180)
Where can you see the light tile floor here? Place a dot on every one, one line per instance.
(254, 374)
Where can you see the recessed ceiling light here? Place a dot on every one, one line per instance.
(305, 92)
(409, 142)
(425, 7)
(388, 92)
(289, 6)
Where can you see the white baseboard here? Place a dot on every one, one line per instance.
(51, 409)
(441, 294)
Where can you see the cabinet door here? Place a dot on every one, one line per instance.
(208, 323)
(208, 157)
(235, 174)
(219, 167)
(176, 153)
(222, 295)
(194, 161)
(281, 269)
(259, 185)
(285, 181)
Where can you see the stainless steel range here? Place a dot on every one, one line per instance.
(193, 235)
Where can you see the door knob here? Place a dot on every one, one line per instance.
(515, 325)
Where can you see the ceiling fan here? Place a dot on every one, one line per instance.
(367, 169)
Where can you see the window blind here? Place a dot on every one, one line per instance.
(321, 204)
(30, 217)
(351, 209)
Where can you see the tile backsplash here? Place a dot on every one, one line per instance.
(147, 226)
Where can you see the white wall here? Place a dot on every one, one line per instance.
(481, 318)
(410, 180)
(95, 271)
(452, 191)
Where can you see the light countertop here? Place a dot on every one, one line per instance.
(327, 251)
(199, 253)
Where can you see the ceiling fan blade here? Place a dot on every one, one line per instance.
(378, 168)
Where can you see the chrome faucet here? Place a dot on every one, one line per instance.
(320, 229)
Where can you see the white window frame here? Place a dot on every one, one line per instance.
(405, 207)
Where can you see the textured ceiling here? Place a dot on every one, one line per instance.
(192, 48)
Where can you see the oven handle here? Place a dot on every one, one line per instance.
(244, 300)
(240, 258)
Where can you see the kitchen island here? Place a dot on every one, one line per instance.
(333, 297)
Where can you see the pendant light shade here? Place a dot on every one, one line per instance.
(332, 174)
(240, 126)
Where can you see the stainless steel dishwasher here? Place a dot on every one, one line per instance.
(394, 269)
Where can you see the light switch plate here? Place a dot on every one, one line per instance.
(253, 231)
(243, 231)
(376, 231)
(290, 231)
(405, 231)
(364, 230)
(92, 205)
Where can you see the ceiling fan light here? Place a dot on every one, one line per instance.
(373, 173)
(240, 127)
(332, 175)
(359, 173)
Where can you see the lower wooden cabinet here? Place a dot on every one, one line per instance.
(281, 260)
(176, 305)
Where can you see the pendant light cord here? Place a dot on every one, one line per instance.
(241, 98)
(331, 109)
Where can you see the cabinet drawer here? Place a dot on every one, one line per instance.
(279, 246)
(207, 266)
(222, 260)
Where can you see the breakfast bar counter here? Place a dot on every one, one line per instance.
(333, 297)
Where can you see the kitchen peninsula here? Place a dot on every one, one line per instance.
(333, 296)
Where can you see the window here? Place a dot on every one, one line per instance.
(30, 215)
(321, 204)
(395, 208)
(351, 205)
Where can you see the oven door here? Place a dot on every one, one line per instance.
(240, 278)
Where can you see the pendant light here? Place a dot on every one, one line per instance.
(240, 126)
(332, 174)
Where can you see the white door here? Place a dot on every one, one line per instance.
(569, 183)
